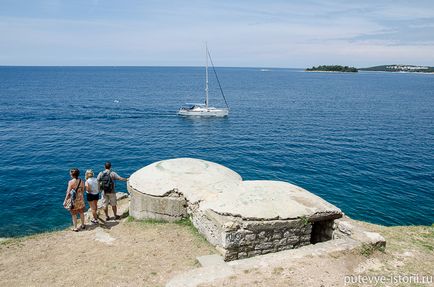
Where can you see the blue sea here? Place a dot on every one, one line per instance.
(363, 141)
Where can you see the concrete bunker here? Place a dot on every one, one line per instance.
(241, 218)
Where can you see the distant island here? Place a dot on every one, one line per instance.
(332, 68)
(400, 68)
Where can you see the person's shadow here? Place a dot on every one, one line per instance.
(104, 224)
(107, 224)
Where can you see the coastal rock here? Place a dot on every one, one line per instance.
(123, 200)
(344, 226)
(104, 237)
(375, 239)
(348, 228)
(119, 196)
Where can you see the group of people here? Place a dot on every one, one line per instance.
(92, 187)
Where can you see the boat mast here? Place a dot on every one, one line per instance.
(206, 75)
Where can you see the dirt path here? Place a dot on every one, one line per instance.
(121, 254)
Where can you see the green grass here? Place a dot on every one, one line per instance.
(429, 247)
(146, 221)
(185, 222)
(304, 220)
(368, 249)
(424, 238)
(428, 232)
(8, 241)
(130, 219)
(19, 239)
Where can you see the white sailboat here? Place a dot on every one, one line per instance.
(204, 110)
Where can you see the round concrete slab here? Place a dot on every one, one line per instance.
(222, 190)
(196, 179)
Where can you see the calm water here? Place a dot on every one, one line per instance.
(364, 142)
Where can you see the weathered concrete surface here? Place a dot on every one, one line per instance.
(168, 208)
(196, 179)
(210, 260)
(201, 275)
(241, 218)
(268, 200)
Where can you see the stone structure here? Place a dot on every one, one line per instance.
(241, 218)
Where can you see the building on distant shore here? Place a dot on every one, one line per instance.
(406, 67)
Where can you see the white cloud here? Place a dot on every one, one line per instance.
(262, 34)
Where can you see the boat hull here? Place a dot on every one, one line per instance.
(205, 112)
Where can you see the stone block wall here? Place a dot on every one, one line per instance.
(236, 238)
(251, 238)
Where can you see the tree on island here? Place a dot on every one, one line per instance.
(333, 68)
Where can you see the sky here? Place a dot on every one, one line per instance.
(246, 33)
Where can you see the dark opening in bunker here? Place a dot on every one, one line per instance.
(321, 231)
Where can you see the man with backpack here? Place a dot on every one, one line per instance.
(106, 180)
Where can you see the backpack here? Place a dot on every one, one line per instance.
(106, 182)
